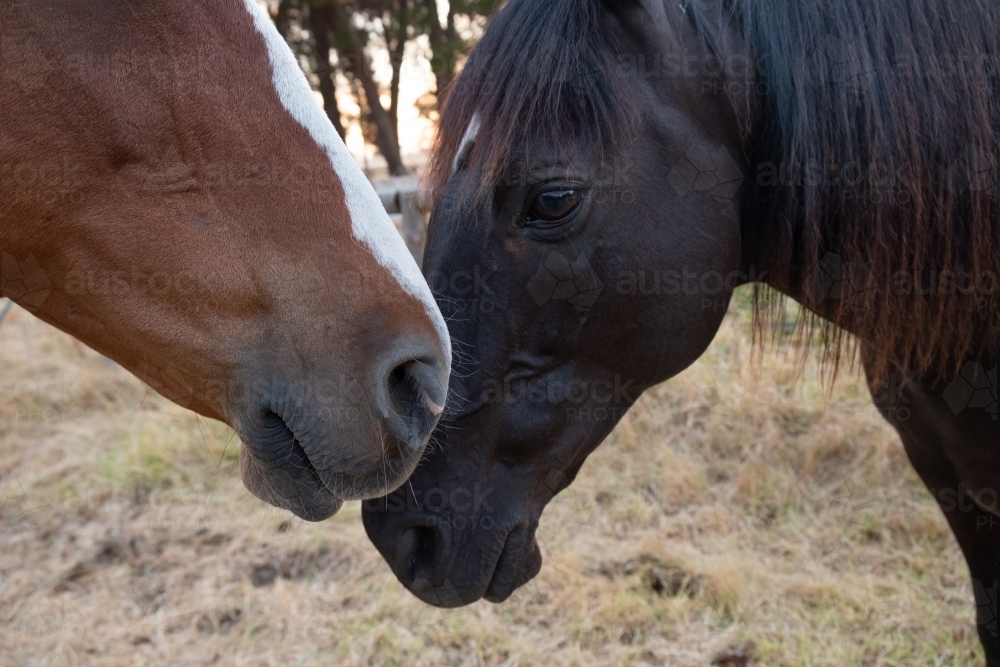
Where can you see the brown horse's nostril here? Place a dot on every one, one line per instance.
(404, 395)
(413, 400)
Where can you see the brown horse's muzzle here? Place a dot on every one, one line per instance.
(311, 444)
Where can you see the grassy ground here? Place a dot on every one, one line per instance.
(734, 516)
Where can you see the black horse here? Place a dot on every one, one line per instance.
(607, 171)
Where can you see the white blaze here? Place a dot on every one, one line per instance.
(469, 138)
(370, 223)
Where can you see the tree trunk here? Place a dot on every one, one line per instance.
(353, 53)
(282, 21)
(320, 26)
(442, 53)
(396, 59)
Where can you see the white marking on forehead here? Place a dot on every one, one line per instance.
(370, 223)
(469, 138)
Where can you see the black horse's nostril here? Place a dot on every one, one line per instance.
(423, 540)
(413, 395)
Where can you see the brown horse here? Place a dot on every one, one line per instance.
(172, 195)
(609, 170)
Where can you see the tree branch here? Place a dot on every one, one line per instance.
(352, 53)
(319, 24)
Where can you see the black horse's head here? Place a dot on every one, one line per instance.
(583, 246)
(593, 216)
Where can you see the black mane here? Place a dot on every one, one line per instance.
(542, 68)
(895, 104)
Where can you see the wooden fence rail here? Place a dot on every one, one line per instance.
(404, 202)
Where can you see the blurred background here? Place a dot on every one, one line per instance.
(743, 513)
(738, 515)
(378, 66)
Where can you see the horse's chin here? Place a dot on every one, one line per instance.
(450, 586)
(312, 496)
(302, 493)
(312, 477)
(519, 563)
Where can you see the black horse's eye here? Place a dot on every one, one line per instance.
(554, 205)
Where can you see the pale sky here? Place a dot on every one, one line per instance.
(415, 133)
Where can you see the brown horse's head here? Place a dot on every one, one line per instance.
(172, 195)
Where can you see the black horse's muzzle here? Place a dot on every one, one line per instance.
(453, 558)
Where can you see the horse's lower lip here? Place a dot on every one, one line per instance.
(277, 469)
(518, 564)
(282, 472)
(300, 491)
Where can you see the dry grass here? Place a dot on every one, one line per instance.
(731, 513)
